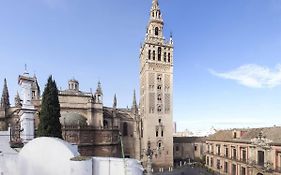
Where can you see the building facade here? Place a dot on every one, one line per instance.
(96, 129)
(245, 151)
(156, 92)
(189, 149)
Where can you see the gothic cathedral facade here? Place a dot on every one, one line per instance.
(156, 92)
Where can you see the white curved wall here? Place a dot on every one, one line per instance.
(46, 156)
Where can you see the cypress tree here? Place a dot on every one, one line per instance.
(50, 125)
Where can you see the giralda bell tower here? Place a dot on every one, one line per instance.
(156, 92)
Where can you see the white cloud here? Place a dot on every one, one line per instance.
(252, 75)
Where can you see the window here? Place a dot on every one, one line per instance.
(211, 162)
(156, 133)
(261, 158)
(207, 162)
(156, 31)
(125, 129)
(243, 171)
(153, 55)
(159, 109)
(225, 167)
(235, 135)
(219, 150)
(233, 171)
(99, 98)
(165, 55)
(149, 54)
(33, 94)
(159, 87)
(159, 97)
(159, 120)
(159, 53)
(244, 155)
(159, 78)
(195, 148)
(226, 152)
(234, 154)
(162, 133)
(169, 57)
(218, 164)
(159, 145)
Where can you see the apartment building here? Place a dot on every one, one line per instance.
(245, 151)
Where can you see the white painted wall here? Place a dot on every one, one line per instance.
(52, 156)
(84, 167)
(114, 166)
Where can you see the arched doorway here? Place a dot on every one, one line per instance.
(259, 174)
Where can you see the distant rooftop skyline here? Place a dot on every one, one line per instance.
(227, 68)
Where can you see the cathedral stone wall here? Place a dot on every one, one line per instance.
(92, 141)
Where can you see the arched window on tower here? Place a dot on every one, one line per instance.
(125, 129)
(159, 53)
(169, 57)
(149, 54)
(159, 87)
(159, 97)
(159, 77)
(165, 56)
(153, 55)
(156, 31)
(159, 109)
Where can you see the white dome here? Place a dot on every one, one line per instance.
(46, 156)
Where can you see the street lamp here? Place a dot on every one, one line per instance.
(149, 153)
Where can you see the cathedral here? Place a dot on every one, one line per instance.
(143, 131)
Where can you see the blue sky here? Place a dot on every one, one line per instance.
(227, 56)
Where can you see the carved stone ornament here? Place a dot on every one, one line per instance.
(261, 141)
